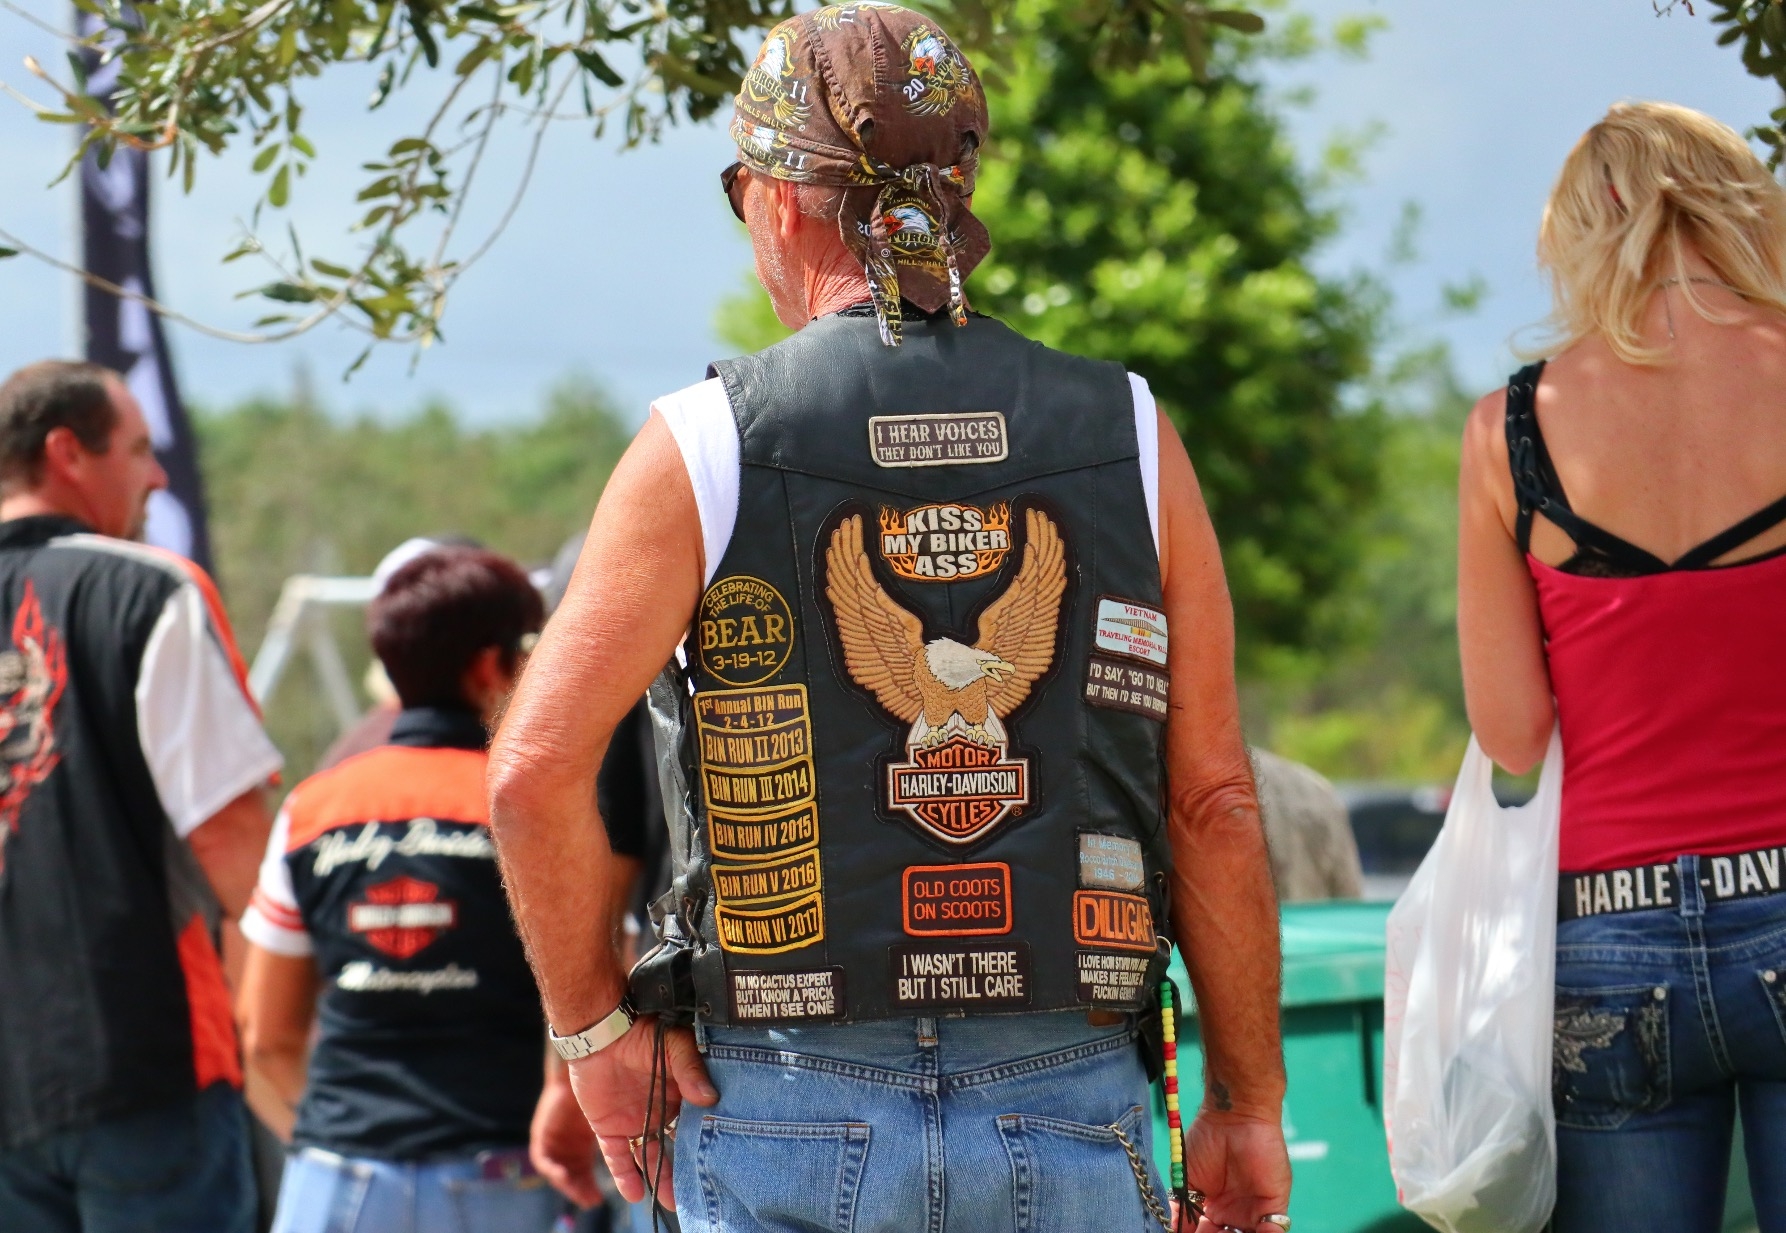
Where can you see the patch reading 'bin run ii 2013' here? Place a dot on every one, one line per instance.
(785, 997)
(959, 975)
(758, 784)
(956, 439)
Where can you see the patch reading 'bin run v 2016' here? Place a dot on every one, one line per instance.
(958, 438)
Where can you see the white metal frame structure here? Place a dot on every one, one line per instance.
(300, 621)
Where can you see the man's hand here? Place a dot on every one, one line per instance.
(1241, 1166)
(561, 1143)
(614, 1088)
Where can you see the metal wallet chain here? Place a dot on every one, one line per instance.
(1152, 1200)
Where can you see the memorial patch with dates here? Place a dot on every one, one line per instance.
(959, 976)
(957, 900)
(953, 439)
(744, 630)
(785, 997)
(757, 779)
(1111, 862)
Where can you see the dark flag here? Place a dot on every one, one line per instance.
(125, 335)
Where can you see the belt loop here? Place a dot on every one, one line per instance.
(926, 1032)
(1692, 893)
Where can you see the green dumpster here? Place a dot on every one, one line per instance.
(1333, 1055)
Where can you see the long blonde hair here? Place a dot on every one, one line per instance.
(1647, 178)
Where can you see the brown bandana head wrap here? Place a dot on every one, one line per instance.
(873, 95)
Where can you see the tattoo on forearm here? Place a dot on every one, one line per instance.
(1218, 1092)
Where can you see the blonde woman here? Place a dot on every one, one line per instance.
(1622, 567)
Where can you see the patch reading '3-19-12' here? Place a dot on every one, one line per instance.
(744, 630)
(954, 439)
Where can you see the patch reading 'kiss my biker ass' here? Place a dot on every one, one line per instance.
(948, 542)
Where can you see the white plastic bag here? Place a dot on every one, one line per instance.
(1469, 997)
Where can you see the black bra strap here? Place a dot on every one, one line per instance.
(1726, 541)
(1539, 490)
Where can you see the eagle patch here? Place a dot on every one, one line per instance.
(958, 780)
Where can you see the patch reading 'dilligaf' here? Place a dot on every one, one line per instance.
(955, 439)
(786, 997)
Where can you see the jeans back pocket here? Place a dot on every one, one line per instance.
(1068, 1177)
(781, 1177)
(1610, 1054)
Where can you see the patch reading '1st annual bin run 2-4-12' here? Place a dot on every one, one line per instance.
(957, 438)
(758, 782)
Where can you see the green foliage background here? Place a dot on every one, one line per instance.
(294, 490)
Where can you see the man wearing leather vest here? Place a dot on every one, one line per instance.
(948, 733)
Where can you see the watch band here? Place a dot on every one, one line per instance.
(597, 1036)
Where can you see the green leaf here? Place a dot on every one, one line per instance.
(1237, 19)
(402, 147)
(272, 319)
(265, 158)
(302, 144)
(6, 252)
(280, 190)
(329, 268)
(288, 293)
(592, 61)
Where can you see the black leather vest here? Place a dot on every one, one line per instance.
(919, 734)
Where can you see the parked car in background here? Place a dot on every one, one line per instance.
(1395, 824)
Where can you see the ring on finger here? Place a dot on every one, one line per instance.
(1277, 1218)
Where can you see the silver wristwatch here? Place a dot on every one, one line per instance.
(597, 1036)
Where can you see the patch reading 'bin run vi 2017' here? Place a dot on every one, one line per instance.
(955, 439)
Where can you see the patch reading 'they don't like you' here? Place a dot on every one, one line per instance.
(956, 439)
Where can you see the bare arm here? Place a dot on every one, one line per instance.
(274, 1011)
(1224, 911)
(228, 847)
(1499, 632)
(629, 603)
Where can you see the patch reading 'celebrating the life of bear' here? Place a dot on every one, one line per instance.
(745, 631)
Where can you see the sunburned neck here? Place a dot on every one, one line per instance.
(36, 503)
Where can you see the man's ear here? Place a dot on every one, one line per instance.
(62, 451)
(784, 208)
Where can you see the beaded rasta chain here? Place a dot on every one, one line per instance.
(1174, 1122)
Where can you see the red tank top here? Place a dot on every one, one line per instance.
(1670, 678)
(1671, 695)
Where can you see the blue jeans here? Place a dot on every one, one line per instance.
(179, 1167)
(1000, 1122)
(1669, 1022)
(327, 1193)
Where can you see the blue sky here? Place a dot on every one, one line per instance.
(615, 260)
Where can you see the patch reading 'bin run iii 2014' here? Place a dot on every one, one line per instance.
(956, 439)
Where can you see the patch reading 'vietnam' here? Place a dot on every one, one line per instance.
(785, 997)
(953, 439)
(965, 976)
(945, 543)
(1110, 918)
(770, 931)
(1110, 862)
(745, 630)
(1111, 979)
(1120, 686)
(957, 900)
(1126, 628)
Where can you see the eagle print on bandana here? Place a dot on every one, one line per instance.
(937, 74)
(771, 81)
(958, 781)
(33, 674)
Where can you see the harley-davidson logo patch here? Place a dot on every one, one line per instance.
(958, 780)
(945, 543)
(402, 916)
